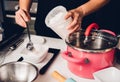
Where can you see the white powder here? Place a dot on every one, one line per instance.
(58, 24)
(57, 18)
(36, 55)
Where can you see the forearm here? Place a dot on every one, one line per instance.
(25, 4)
(92, 6)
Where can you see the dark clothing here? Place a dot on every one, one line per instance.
(11, 29)
(106, 17)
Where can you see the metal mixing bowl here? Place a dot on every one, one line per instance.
(18, 72)
(97, 41)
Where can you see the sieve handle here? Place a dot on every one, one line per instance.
(108, 31)
(90, 27)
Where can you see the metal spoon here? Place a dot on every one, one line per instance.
(29, 44)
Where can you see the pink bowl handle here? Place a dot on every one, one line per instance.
(90, 27)
(66, 56)
(108, 31)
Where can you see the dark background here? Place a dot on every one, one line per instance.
(106, 17)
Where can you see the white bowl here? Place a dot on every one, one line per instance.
(35, 56)
(111, 74)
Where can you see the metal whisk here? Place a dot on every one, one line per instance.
(29, 45)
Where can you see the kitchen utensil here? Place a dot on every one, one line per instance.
(9, 50)
(14, 47)
(61, 78)
(86, 58)
(4, 44)
(18, 72)
(16, 44)
(111, 74)
(55, 52)
(91, 26)
(30, 44)
(20, 59)
(56, 21)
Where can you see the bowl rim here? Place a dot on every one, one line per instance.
(23, 62)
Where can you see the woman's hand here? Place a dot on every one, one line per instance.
(21, 17)
(76, 16)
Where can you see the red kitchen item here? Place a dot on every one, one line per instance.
(88, 30)
(97, 53)
(84, 64)
(91, 26)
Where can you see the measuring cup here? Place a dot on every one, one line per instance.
(57, 22)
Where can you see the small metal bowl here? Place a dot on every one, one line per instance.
(18, 72)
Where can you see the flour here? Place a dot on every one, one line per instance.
(56, 19)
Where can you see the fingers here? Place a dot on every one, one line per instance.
(19, 20)
(21, 17)
(76, 28)
(74, 25)
(76, 20)
(69, 14)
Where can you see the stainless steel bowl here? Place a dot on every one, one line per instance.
(18, 72)
(97, 41)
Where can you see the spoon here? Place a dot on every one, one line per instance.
(29, 44)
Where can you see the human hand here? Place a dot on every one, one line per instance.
(21, 17)
(76, 16)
